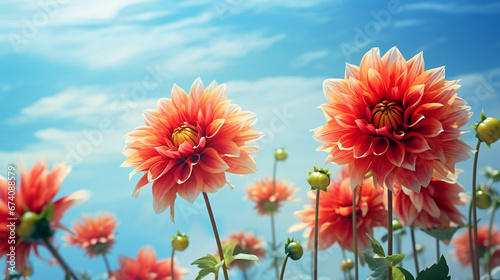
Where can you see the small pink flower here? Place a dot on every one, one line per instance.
(269, 201)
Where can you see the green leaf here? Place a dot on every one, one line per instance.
(445, 234)
(397, 274)
(379, 274)
(374, 263)
(395, 259)
(228, 252)
(406, 274)
(208, 264)
(377, 248)
(247, 257)
(437, 271)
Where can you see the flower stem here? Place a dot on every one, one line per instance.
(316, 237)
(245, 276)
(415, 254)
(172, 264)
(389, 231)
(354, 229)
(273, 230)
(58, 257)
(490, 229)
(471, 243)
(216, 235)
(475, 258)
(108, 267)
(283, 266)
(437, 250)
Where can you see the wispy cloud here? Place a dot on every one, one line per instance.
(308, 57)
(407, 23)
(489, 8)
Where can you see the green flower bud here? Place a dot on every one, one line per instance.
(319, 179)
(489, 130)
(396, 224)
(280, 154)
(294, 249)
(35, 226)
(180, 241)
(483, 199)
(346, 265)
(419, 248)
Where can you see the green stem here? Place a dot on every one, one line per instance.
(471, 243)
(354, 229)
(437, 250)
(273, 230)
(389, 231)
(475, 259)
(283, 266)
(415, 254)
(58, 257)
(172, 264)
(245, 276)
(216, 234)
(108, 267)
(490, 229)
(316, 229)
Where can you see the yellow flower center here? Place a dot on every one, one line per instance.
(184, 133)
(387, 114)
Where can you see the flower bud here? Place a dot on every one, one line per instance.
(36, 226)
(346, 265)
(319, 179)
(489, 130)
(419, 248)
(180, 241)
(483, 199)
(396, 224)
(294, 249)
(280, 154)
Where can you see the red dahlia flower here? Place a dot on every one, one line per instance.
(335, 214)
(188, 144)
(391, 117)
(36, 213)
(247, 244)
(95, 235)
(269, 201)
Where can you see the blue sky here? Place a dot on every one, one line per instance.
(76, 76)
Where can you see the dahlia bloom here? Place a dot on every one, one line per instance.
(146, 267)
(269, 201)
(95, 235)
(35, 192)
(391, 117)
(247, 244)
(335, 214)
(188, 144)
(462, 251)
(433, 207)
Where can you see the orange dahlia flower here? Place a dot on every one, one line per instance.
(247, 244)
(147, 267)
(188, 144)
(391, 117)
(433, 207)
(95, 235)
(462, 250)
(335, 214)
(269, 201)
(33, 198)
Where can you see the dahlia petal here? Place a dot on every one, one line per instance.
(214, 127)
(164, 192)
(415, 143)
(363, 146)
(225, 147)
(159, 169)
(332, 87)
(63, 204)
(428, 128)
(371, 60)
(443, 173)
(415, 67)
(346, 142)
(183, 172)
(196, 90)
(346, 120)
(432, 78)
(431, 208)
(358, 170)
(146, 256)
(376, 82)
(213, 182)
(247, 136)
(351, 71)
(417, 200)
(379, 145)
(141, 183)
(339, 156)
(381, 168)
(189, 190)
(244, 164)
(395, 153)
(211, 161)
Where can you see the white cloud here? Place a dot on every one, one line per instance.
(407, 23)
(490, 8)
(308, 57)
